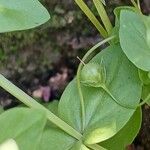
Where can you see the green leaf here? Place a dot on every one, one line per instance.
(52, 106)
(23, 125)
(133, 39)
(126, 135)
(69, 107)
(54, 138)
(104, 117)
(21, 15)
(117, 12)
(144, 76)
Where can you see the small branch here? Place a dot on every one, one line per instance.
(81, 60)
(92, 18)
(104, 17)
(136, 5)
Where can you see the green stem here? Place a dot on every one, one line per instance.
(138, 3)
(104, 17)
(110, 94)
(30, 102)
(137, 6)
(81, 98)
(96, 147)
(144, 101)
(92, 18)
(103, 1)
(78, 76)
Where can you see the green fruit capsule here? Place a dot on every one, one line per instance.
(93, 74)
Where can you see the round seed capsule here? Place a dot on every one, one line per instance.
(92, 74)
